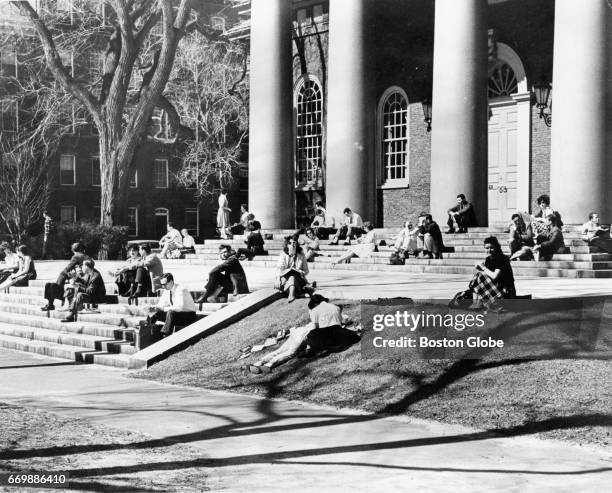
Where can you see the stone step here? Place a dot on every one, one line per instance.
(63, 351)
(111, 287)
(68, 338)
(78, 327)
(113, 319)
(478, 248)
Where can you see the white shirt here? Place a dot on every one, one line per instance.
(355, 221)
(173, 236)
(178, 299)
(188, 241)
(326, 314)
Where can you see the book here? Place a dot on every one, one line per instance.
(290, 272)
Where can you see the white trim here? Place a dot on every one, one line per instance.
(509, 56)
(523, 137)
(136, 216)
(73, 170)
(380, 171)
(135, 180)
(165, 160)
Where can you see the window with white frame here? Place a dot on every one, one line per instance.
(394, 136)
(217, 23)
(95, 171)
(192, 221)
(134, 179)
(132, 220)
(309, 133)
(67, 170)
(160, 173)
(68, 214)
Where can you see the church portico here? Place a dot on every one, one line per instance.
(360, 140)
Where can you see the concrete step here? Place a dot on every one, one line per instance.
(78, 327)
(69, 339)
(74, 353)
(111, 287)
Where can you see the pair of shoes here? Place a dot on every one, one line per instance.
(69, 318)
(347, 242)
(47, 308)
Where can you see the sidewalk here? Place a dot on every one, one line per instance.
(251, 444)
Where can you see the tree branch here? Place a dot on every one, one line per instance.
(68, 83)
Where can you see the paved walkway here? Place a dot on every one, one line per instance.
(255, 445)
(349, 284)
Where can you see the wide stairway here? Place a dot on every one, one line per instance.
(581, 261)
(105, 338)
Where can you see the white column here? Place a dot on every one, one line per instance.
(271, 175)
(579, 180)
(350, 180)
(459, 107)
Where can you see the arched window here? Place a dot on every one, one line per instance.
(393, 111)
(309, 133)
(502, 81)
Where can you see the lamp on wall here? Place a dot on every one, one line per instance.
(426, 104)
(542, 95)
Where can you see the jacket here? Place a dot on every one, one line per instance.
(94, 286)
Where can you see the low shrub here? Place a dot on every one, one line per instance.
(101, 242)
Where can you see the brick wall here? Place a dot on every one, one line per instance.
(401, 204)
(540, 158)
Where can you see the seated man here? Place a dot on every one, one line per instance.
(430, 238)
(521, 237)
(171, 241)
(352, 227)
(323, 224)
(148, 273)
(10, 263)
(175, 306)
(55, 290)
(90, 290)
(188, 242)
(227, 277)
(552, 243)
(462, 215)
(596, 235)
(125, 276)
(493, 279)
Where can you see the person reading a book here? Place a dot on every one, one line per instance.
(175, 306)
(596, 235)
(292, 270)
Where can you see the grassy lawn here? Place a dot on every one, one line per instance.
(566, 399)
(97, 458)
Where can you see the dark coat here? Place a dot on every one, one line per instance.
(434, 230)
(77, 259)
(94, 286)
(465, 209)
(233, 275)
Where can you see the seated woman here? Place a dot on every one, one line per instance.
(311, 245)
(493, 279)
(25, 269)
(324, 331)
(292, 270)
(406, 241)
(188, 242)
(550, 243)
(538, 220)
(125, 276)
(9, 263)
(363, 249)
(254, 240)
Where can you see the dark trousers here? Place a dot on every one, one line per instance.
(172, 318)
(53, 291)
(144, 279)
(462, 220)
(218, 284)
(344, 231)
(334, 337)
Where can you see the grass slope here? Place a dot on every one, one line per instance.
(566, 399)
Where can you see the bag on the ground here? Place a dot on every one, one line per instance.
(146, 334)
(397, 259)
(462, 299)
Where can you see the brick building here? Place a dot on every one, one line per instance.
(155, 196)
(340, 91)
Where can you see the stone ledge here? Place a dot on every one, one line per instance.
(209, 325)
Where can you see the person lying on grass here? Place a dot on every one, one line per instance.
(324, 331)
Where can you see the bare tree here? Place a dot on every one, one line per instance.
(128, 36)
(23, 185)
(209, 90)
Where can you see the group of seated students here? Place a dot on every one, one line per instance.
(18, 267)
(141, 273)
(421, 241)
(174, 244)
